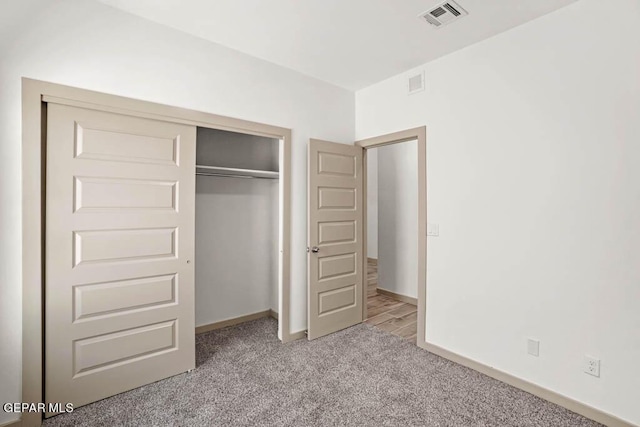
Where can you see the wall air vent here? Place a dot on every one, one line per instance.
(443, 14)
(416, 83)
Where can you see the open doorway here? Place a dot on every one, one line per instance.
(337, 235)
(395, 233)
(392, 239)
(237, 206)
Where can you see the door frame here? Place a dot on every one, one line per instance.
(419, 134)
(35, 95)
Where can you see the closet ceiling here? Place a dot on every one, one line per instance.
(350, 43)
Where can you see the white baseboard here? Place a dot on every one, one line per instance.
(297, 335)
(230, 322)
(543, 393)
(399, 297)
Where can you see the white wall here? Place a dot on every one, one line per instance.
(532, 173)
(89, 45)
(372, 203)
(398, 218)
(236, 247)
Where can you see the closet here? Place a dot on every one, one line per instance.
(236, 226)
(154, 230)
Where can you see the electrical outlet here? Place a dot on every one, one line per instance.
(592, 366)
(533, 347)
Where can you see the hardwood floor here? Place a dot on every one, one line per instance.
(387, 313)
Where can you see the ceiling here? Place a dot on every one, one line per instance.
(350, 43)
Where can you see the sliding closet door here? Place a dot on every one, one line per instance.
(119, 299)
(335, 209)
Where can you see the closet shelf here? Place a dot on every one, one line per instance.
(235, 172)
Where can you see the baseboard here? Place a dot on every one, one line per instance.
(543, 393)
(297, 335)
(274, 314)
(230, 322)
(399, 297)
(372, 260)
(14, 423)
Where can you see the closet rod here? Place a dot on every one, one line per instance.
(231, 172)
(235, 176)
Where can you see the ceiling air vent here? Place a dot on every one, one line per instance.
(443, 14)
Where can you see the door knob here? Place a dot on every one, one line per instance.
(315, 249)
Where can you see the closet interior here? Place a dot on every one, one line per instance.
(237, 225)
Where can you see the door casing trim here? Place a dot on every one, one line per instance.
(419, 134)
(35, 95)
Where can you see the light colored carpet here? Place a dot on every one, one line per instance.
(360, 376)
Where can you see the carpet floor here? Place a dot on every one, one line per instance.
(361, 376)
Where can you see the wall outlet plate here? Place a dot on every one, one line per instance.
(533, 347)
(433, 229)
(592, 366)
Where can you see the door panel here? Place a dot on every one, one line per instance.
(99, 142)
(335, 228)
(119, 292)
(105, 299)
(101, 193)
(120, 245)
(105, 351)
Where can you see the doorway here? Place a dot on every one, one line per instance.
(337, 234)
(397, 298)
(237, 228)
(392, 239)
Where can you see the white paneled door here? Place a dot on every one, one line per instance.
(335, 211)
(119, 285)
